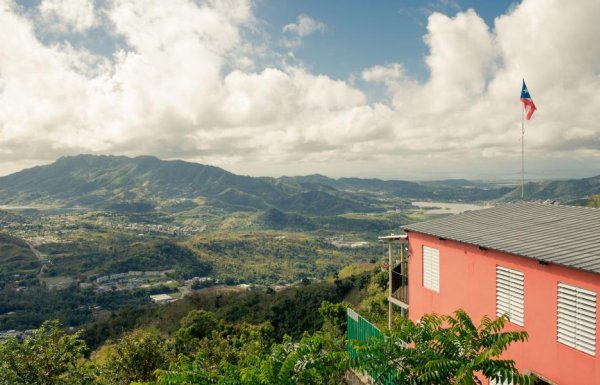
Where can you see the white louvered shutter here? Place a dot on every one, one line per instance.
(510, 293)
(492, 382)
(431, 268)
(577, 318)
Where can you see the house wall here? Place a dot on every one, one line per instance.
(468, 281)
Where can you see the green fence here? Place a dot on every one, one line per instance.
(359, 329)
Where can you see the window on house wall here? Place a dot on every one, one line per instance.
(510, 293)
(431, 268)
(537, 381)
(577, 318)
(494, 382)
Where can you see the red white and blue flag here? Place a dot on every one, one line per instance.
(527, 102)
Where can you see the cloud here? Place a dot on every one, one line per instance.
(183, 83)
(392, 76)
(464, 108)
(304, 26)
(67, 15)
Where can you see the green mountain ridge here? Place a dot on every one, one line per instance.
(450, 189)
(122, 183)
(144, 183)
(565, 191)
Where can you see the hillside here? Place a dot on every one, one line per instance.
(96, 180)
(269, 257)
(564, 191)
(16, 256)
(452, 189)
(146, 184)
(118, 254)
(143, 183)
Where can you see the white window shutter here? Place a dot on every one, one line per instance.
(431, 268)
(493, 382)
(576, 326)
(510, 294)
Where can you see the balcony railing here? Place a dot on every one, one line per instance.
(399, 286)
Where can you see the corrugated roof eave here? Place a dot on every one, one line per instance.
(563, 235)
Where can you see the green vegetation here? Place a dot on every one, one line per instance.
(565, 191)
(146, 184)
(109, 231)
(240, 354)
(237, 338)
(82, 247)
(16, 257)
(442, 350)
(134, 358)
(255, 337)
(73, 307)
(117, 254)
(195, 326)
(256, 257)
(49, 357)
(291, 311)
(266, 258)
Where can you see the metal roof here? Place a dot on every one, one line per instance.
(565, 235)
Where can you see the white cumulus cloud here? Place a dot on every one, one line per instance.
(182, 84)
(304, 26)
(68, 15)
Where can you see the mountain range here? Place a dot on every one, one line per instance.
(146, 183)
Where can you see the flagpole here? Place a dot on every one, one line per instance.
(530, 107)
(522, 152)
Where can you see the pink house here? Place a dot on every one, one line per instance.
(538, 263)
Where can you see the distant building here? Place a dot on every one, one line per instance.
(537, 263)
(19, 335)
(162, 298)
(102, 279)
(118, 276)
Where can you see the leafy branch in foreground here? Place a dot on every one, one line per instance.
(48, 357)
(248, 357)
(442, 349)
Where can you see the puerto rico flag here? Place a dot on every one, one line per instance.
(527, 102)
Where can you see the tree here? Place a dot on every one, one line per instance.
(185, 372)
(594, 201)
(246, 355)
(195, 326)
(334, 314)
(318, 359)
(442, 350)
(49, 357)
(135, 357)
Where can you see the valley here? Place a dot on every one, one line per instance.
(94, 234)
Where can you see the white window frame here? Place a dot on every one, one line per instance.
(510, 294)
(576, 318)
(431, 268)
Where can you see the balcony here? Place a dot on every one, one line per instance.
(400, 284)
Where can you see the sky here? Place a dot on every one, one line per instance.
(404, 89)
